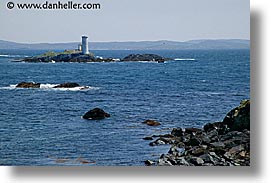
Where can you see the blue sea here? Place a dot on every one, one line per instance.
(44, 126)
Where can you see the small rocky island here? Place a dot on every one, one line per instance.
(76, 56)
(82, 54)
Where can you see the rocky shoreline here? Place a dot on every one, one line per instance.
(78, 57)
(225, 143)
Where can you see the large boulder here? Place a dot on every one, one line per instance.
(238, 119)
(177, 132)
(96, 114)
(28, 85)
(67, 85)
(143, 57)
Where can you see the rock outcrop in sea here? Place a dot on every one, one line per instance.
(38, 85)
(144, 57)
(67, 85)
(225, 143)
(96, 114)
(28, 85)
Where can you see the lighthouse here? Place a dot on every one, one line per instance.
(85, 48)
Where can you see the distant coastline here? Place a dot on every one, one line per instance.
(205, 44)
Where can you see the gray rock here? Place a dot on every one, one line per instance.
(207, 158)
(197, 151)
(163, 161)
(196, 161)
(219, 145)
(181, 161)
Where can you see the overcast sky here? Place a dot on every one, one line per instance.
(128, 20)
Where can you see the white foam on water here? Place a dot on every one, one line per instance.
(79, 88)
(147, 61)
(184, 59)
(47, 86)
(116, 59)
(13, 56)
(100, 57)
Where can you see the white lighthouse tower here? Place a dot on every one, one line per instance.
(85, 48)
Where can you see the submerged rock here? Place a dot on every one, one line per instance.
(151, 122)
(28, 85)
(96, 114)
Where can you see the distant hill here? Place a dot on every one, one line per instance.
(141, 45)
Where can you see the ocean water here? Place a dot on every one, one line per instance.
(44, 126)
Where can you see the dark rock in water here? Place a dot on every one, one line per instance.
(238, 119)
(96, 114)
(148, 138)
(28, 85)
(151, 122)
(67, 85)
(144, 57)
(177, 132)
